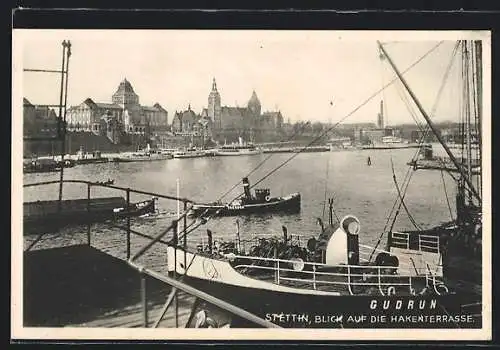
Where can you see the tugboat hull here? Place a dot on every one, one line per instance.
(289, 204)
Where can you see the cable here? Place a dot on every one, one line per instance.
(401, 198)
(408, 173)
(446, 195)
(326, 187)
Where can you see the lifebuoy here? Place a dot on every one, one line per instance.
(268, 198)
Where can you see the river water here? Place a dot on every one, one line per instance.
(368, 192)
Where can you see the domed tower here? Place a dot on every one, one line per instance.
(125, 95)
(214, 107)
(254, 105)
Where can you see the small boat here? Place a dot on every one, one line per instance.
(51, 215)
(189, 153)
(238, 149)
(261, 202)
(108, 182)
(140, 157)
(41, 165)
(135, 209)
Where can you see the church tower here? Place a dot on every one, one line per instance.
(254, 105)
(214, 107)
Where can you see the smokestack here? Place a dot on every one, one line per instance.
(246, 188)
(380, 120)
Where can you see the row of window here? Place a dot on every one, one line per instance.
(97, 127)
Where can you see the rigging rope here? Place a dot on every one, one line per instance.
(446, 195)
(409, 173)
(326, 186)
(401, 198)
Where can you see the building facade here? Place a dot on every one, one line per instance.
(123, 116)
(39, 121)
(188, 123)
(230, 122)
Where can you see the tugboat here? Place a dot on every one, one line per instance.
(261, 202)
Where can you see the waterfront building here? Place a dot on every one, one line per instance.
(231, 122)
(188, 123)
(39, 120)
(123, 116)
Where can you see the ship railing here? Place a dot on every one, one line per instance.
(246, 244)
(400, 240)
(405, 267)
(179, 238)
(383, 278)
(438, 286)
(365, 251)
(428, 243)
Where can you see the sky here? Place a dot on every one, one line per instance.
(307, 75)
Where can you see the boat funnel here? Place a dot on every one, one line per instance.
(246, 188)
(343, 246)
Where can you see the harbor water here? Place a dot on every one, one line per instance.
(368, 192)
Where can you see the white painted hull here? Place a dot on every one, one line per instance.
(190, 155)
(220, 271)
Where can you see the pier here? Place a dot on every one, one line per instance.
(81, 285)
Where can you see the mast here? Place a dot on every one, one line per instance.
(479, 96)
(467, 111)
(431, 125)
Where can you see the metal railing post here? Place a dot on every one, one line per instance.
(88, 214)
(185, 238)
(128, 223)
(277, 274)
(314, 277)
(379, 281)
(349, 280)
(144, 298)
(176, 300)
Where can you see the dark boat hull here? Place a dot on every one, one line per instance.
(348, 311)
(75, 212)
(289, 205)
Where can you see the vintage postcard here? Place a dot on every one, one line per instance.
(256, 184)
